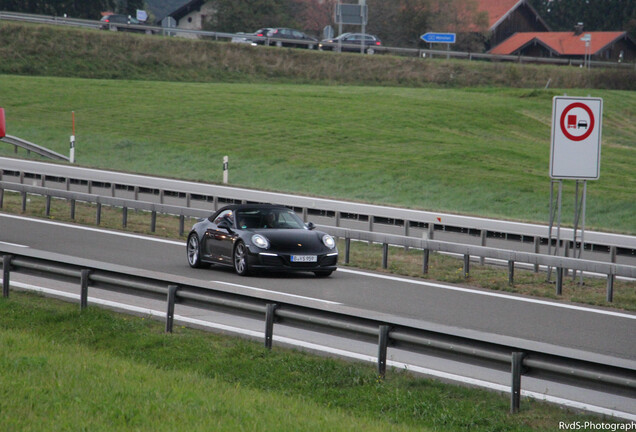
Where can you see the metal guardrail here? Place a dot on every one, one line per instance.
(427, 245)
(30, 147)
(337, 211)
(385, 330)
(413, 52)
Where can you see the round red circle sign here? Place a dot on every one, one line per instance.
(573, 123)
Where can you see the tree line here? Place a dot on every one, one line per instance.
(396, 22)
(87, 9)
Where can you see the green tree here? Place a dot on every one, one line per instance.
(250, 15)
(596, 15)
(88, 9)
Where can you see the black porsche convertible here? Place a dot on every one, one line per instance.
(261, 237)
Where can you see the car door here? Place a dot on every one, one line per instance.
(218, 241)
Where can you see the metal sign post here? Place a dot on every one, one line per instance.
(352, 14)
(575, 154)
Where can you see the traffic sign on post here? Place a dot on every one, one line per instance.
(576, 138)
(448, 38)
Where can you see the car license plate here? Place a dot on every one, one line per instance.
(304, 258)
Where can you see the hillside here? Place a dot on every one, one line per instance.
(28, 49)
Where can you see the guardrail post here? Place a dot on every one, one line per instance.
(6, 269)
(610, 288)
(84, 288)
(431, 231)
(68, 184)
(90, 186)
(347, 249)
(112, 190)
(161, 194)
(511, 272)
(72, 209)
(172, 295)
(515, 391)
(466, 268)
(305, 215)
(153, 221)
(24, 201)
(136, 193)
(98, 216)
(1, 198)
(483, 234)
(407, 229)
(425, 260)
(613, 254)
(270, 313)
(47, 208)
(385, 255)
(559, 281)
(181, 225)
(337, 219)
(537, 242)
(383, 343)
(124, 217)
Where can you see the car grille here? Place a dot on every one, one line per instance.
(271, 260)
(329, 261)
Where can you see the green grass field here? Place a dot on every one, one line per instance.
(480, 151)
(66, 370)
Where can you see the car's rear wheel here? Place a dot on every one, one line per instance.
(323, 273)
(240, 259)
(194, 251)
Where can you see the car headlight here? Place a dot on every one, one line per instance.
(260, 241)
(329, 241)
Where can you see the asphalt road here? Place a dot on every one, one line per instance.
(596, 334)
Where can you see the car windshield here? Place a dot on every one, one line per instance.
(268, 219)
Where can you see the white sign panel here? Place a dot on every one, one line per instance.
(576, 138)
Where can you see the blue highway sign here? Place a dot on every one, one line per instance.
(439, 37)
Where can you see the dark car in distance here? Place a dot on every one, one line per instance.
(257, 237)
(119, 22)
(286, 37)
(353, 42)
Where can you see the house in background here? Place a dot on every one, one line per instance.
(507, 17)
(604, 46)
(193, 15)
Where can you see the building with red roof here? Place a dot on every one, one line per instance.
(507, 17)
(603, 46)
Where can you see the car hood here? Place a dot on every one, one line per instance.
(293, 240)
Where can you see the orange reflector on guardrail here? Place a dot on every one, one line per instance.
(2, 127)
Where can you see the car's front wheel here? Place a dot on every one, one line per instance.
(194, 251)
(240, 259)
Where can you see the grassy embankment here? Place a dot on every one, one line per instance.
(474, 151)
(95, 370)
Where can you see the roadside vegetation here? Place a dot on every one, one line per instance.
(35, 50)
(62, 369)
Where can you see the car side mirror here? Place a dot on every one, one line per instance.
(224, 224)
(310, 226)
